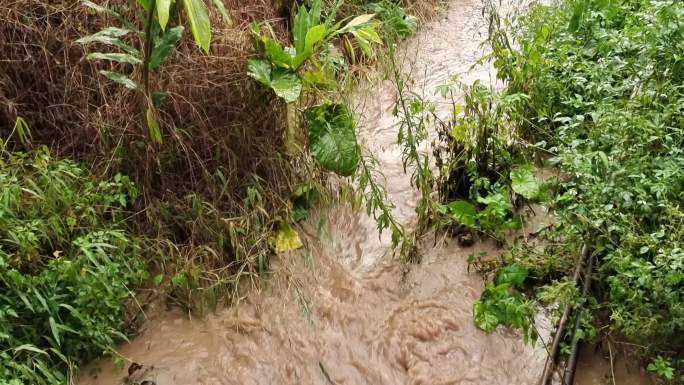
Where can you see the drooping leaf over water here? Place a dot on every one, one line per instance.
(332, 137)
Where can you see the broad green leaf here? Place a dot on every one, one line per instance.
(162, 51)
(464, 212)
(524, 182)
(313, 36)
(163, 8)
(332, 137)
(121, 79)
(286, 239)
(286, 84)
(300, 28)
(276, 53)
(315, 12)
(199, 22)
(485, 318)
(513, 274)
(260, 71)
(116, 57)
(153, 127)
(224, 12)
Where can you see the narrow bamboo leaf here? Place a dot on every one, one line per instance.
(199, 22)
(30, 348)
(162, 51)
(153, 127)
(356, 22)
(55, 331)
(116, 57)
(109, 40)
(121, 79)
(224, 12)
(98, 8)
(163, 8)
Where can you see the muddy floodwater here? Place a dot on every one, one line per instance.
(344, 311)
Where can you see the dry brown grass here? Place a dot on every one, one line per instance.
(213, 115)
(221, 132)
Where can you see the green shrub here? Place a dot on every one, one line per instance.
(65, 266)
(604, 94)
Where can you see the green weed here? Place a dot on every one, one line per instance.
(598, 85)
(67, 267)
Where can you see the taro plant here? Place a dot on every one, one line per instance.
(147, 49)
(280, 67)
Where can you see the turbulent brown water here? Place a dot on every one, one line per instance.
(345, 311)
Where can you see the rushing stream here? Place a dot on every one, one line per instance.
(345, 311)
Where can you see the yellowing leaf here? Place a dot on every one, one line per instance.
(286, 239)
(153, 127)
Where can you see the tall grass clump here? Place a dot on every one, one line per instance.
(603, 100)
(67, 266)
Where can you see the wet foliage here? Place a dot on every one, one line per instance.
(67, 266)
(599, 90)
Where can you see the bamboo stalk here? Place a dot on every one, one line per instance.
(569, 375)
(552, 358)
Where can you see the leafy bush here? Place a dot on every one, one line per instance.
(65, 266)
(603, 93)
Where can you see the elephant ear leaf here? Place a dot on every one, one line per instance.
(332, 138)
(285, 83)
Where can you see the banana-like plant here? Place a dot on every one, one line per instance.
(149, 48)
(279, 70)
